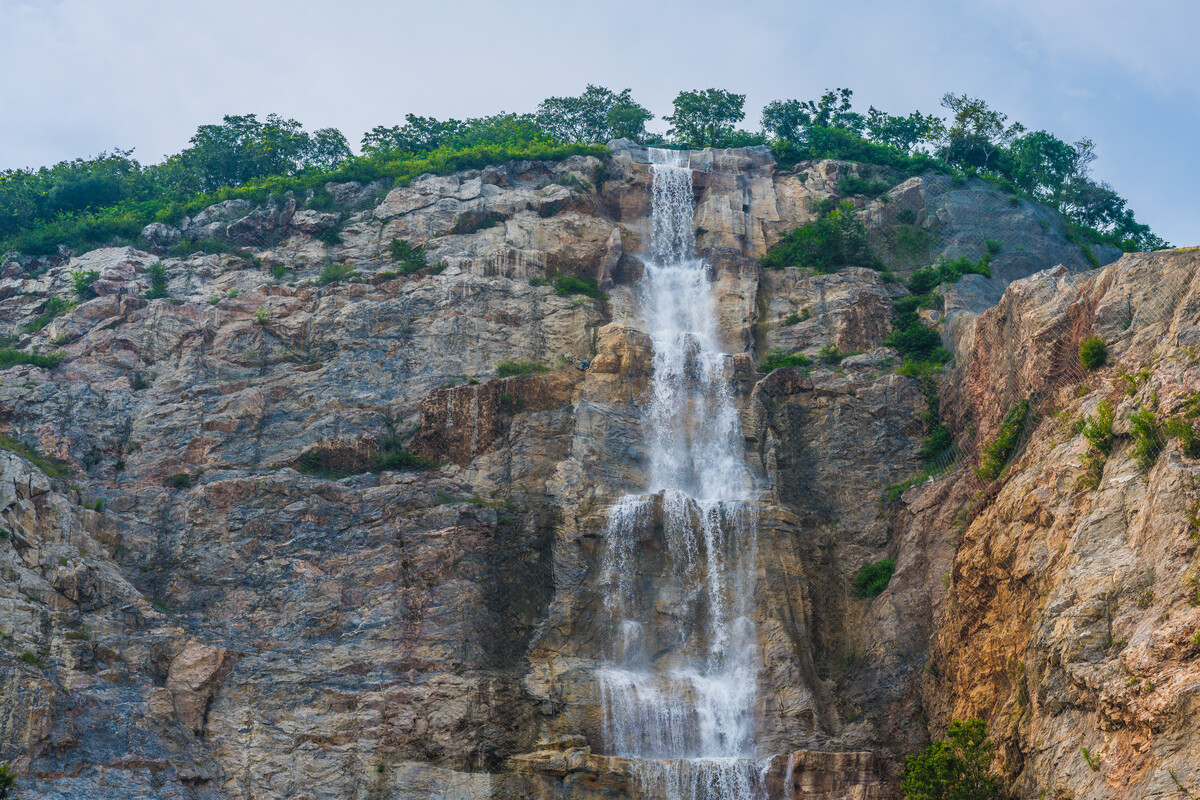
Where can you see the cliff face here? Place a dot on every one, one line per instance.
(225, 625)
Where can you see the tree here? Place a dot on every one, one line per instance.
(977, 133)
(417, 135)
(789, 119)
(956, 768)
(1043, 164)
(903, 133)
(241, 149)
(8, 781)
(597, 115)
(706, 118)
(327, 150)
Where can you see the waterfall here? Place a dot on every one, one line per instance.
(678, 689)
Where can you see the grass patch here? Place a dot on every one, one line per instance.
(997, 453)
(52, 468)
(512, 369)
(53, 306)
(1098, 431)
(567, 285)
(408, 259)
(332, 273)
(872, 579)
(11, 358)
(778, 359)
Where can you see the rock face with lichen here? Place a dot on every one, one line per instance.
(281, 535)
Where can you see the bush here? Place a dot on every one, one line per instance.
(393, 456)
(1148, 438)
(1182, 430)
(509, 369)
(956, 768)
(947, 271)
(181, 480)
(82, 282)
(851, 185)
(11, 358)
(158, 282)
(329, 236)
(407, 258)
(835, 239)
(778, 359)
(53, 306)
(332, 273)
(8, 782)
(1099, 433)
(872, 579)
(830, 354)
(1093, 352)
(566, 285)
(996, 454)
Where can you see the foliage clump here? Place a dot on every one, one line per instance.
(1093, 352)
(948, 271)
(1098, 431)
(955, 768)
(836, 238)
(52, 468)
(872, 579)
(1148, 437)
(997, 453)
(158, 283)
(778, 359)
(11, 358)
(408, 259)
(517, 368)
(566, 285)
(332, 273)
(53, 306)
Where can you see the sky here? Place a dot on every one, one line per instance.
(88, 75)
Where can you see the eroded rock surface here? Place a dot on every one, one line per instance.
(264, 606)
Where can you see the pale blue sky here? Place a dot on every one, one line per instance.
(85, 75)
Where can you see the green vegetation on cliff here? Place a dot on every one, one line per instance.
(955, 768)
(112, 196)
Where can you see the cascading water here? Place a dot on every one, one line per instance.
(678, 697)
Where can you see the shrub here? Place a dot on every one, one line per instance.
(407, 258)
(278, 271)
(393, 456)
(565, 285)
(1099, 433)
(82, 282)
(918, 342)
(158, 282)
(1147, 438)
(329, 236)
(53, 306)
(8, 782)
(872, 579)
(997, 453)
(509, 369)
(11, 358)
(955, 768)
(181, 480)
(835, 239)
(851, 185)
(1093, 352)
(796, 318)
(830, 354)
(993, 246)
(1182, 430)
(778, 359)
(947, 271)
(473, 221)
(906, 216)
(332, 273)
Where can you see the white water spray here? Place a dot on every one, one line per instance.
(678, 696)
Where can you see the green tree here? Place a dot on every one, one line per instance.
(416, 135)
(706, 118)
(977, 133)
(8, 782)
(956, 768)
(1042, 165)
(327, 150)
(903, 133)
(242, 148)
(596, 116)
(789, 120)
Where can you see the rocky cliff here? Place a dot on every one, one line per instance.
(281, 536)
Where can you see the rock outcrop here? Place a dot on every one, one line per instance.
(314, 527)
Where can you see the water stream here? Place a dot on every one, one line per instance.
(678, 689)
